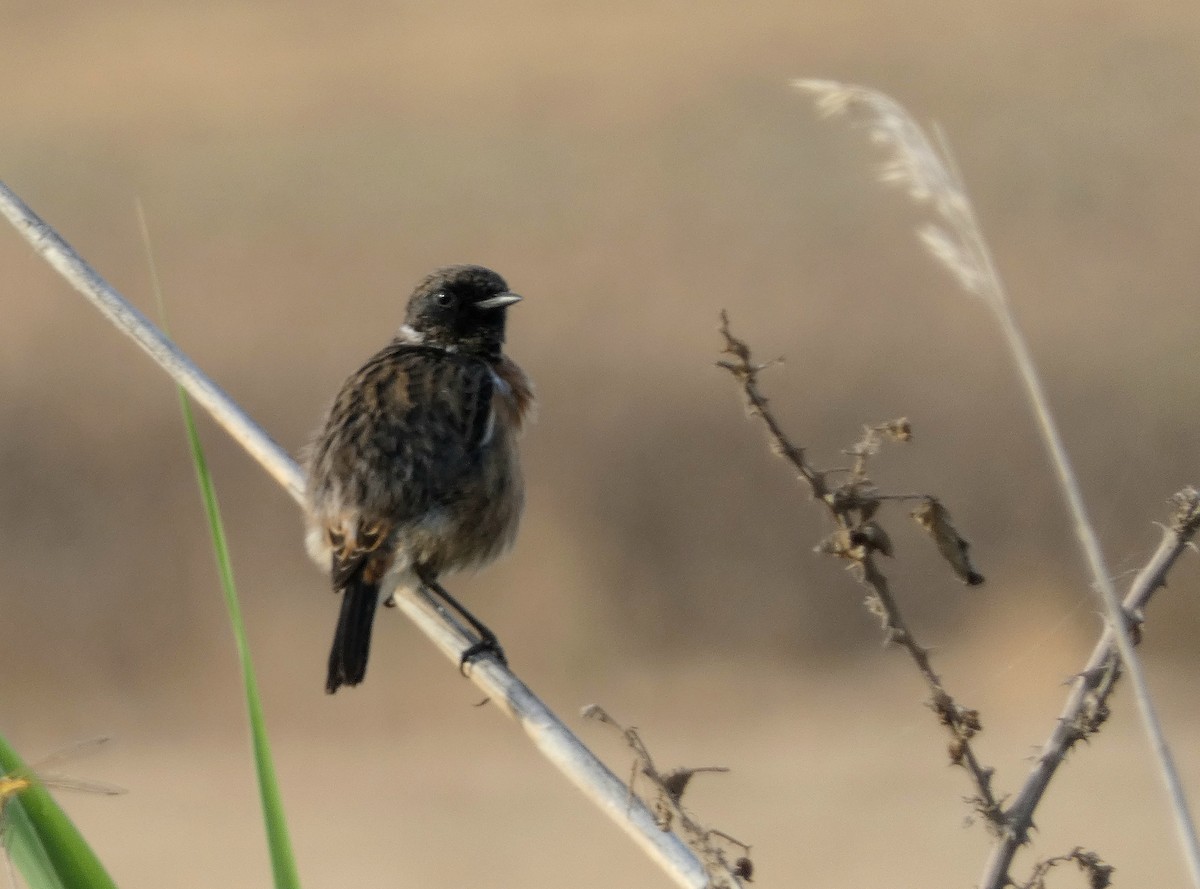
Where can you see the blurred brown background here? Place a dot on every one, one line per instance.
(632, 168)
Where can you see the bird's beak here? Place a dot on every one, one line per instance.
(499, 301)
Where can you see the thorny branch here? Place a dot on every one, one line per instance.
(667, 805)
(1086, 708)
(858, 538)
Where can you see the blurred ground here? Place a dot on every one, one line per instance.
(632, 168)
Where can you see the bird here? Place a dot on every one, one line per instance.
(415, 470)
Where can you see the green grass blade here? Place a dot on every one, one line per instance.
(279, 843)
(46, 847)
(283, 862)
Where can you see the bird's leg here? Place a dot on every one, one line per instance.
(487, 644)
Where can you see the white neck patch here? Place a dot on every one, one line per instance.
(409, 335)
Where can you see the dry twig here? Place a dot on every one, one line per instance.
(1098, 873)
(858, 538)
(667, 805)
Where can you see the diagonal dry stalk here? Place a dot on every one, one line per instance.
(858, 538)
(548, 733)
(956, 240)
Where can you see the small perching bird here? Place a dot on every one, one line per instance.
(415, 470)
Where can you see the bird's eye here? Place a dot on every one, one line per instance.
(445, 300)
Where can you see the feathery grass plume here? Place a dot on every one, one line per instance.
(929, 176)
(956, 240)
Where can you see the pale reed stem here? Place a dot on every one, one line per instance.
(551, 737)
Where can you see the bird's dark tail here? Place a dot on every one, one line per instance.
(352, 639)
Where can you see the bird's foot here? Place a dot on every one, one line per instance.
(489, 645)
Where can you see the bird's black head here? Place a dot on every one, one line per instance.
(461, 307)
